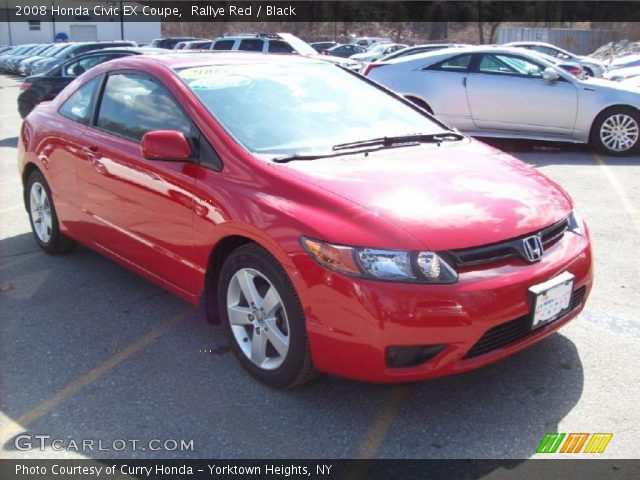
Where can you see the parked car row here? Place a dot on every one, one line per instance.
(45, 86)
(32, 59)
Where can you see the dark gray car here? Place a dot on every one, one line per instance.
(74, 50)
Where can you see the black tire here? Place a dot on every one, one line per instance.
(588, 72)
(57, 242)
(597, 141)
(297, 367)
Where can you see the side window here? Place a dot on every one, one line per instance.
(78, 106)
(251, 45)
(549, 51)
(278, 46)
(223, 45)
(490, 64)
(77, 68)
(455, 64)
(133, 105)
(509, 65)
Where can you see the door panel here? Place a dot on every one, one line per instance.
(139, 209)
(508, 93)
(445, 92)
(522, 104)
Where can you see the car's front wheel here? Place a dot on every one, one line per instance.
(42, 216)
(263, 318)
(616, 131)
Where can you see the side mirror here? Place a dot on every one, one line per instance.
(167, 145)
(550, 75)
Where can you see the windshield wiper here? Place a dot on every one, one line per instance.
(373, 145)
(366, 149)
(398, 140)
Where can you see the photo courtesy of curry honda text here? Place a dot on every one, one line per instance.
(329, 224)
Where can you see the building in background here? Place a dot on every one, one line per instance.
(76, 29)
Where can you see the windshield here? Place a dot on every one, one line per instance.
(378, 48)
(40, 50)
(20, 50)
(291, 108)
(63, 51)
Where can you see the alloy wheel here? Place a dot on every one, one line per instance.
(619, 132)
(258, 318)
(40, 210)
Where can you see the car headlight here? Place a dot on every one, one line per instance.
(575, 223)
(378, 264)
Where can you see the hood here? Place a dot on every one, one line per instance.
(454, 196)
(619, 87)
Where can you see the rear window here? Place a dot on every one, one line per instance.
(223, 45)
(278, 46)
(251, 45)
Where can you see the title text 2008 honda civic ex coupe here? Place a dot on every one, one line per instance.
(329, 224)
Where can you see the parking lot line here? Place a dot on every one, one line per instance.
(617, 186)
(91, 376)
(378, 430)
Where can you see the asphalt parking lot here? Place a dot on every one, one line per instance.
(89, 350)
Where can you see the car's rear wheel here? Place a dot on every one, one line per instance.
(43, 218)
(263, 318)
(616, 131)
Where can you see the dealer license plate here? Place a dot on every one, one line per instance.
(551, 299)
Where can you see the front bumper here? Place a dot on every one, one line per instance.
(351, 322)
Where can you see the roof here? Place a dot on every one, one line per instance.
(183, 59)
(451, 52)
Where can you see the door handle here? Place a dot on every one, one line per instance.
(99, 167)
(200, 209)
(92, 151)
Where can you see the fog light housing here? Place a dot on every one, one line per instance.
(410, 356)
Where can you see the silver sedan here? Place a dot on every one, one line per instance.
(511, 93)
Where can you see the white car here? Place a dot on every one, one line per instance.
(591, 66)
(513, 93)
(377, 51)
(620, 74)
(631, 82)
(624, 62)
(279, 43)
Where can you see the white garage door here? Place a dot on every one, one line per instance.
(83, 33)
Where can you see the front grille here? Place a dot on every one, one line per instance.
(514, 330)
(501, 251)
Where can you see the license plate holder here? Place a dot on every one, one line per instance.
(551, 299)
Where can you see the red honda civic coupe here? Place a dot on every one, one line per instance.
(329, 224)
